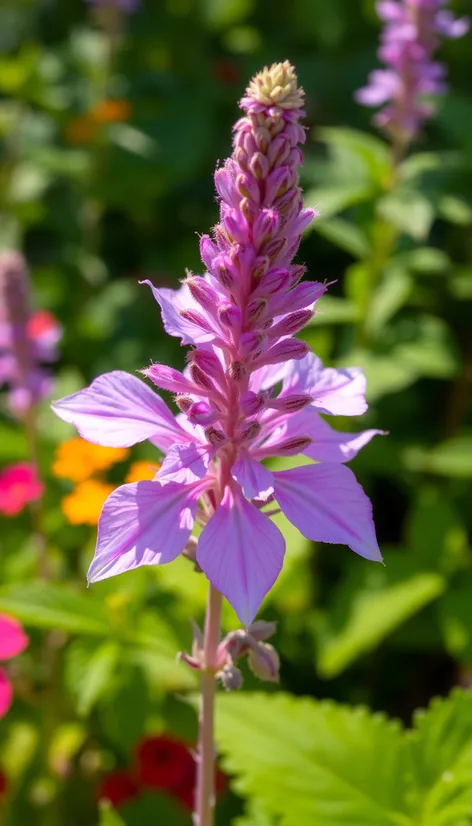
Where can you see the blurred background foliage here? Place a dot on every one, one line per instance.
(111, 128)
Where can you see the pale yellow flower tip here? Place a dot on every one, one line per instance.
(276, 85)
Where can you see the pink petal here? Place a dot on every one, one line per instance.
(13, 639)
(335, 392)
(241, 552)
(256, 481)
(143, 523)
(119, 410)
(185, 463)
(6, 693)
(327, 504)
(170, 302)
(330, 445)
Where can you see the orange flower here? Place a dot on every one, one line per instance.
(139, 471)
(83, 506)
(77, 459)
(110, 111)
(86, 128)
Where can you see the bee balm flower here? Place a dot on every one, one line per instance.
(239, 319)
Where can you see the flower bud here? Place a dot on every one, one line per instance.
(197, 319)
(290, 404)
(251, 403)
(202, 292)
(200, 378)
(262, 630)
(250, 431)
(237, 371)
(208, 251)
(202, 413)
(265, 226)
(215, 436)
(274, 280)
(255, 309)
(293, 446)
(288, 348)
(250, 343)
(207, 362)
(291, 324)
(264, 662)
(168, 379)
(224, 269)
(231, 678)
(259, 166)
(230, 316)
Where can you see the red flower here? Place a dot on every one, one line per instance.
(118, 787)
(19, 484)
(3, 785)
(165, 763)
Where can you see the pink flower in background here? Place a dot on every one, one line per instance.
(13, 641)
(250, 391)
(27, 339)
(409, 41)
(19, 484)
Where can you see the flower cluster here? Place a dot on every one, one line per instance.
(163, 763)
(19, 485)
(409, 40)
(13, 641)
(26, 339)
(84, 463)
(250, 391)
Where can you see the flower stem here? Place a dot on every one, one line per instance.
(205, 795)
(36, 509)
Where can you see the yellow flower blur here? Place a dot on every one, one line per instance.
(83, 506)
(77, 459)
(139, 471)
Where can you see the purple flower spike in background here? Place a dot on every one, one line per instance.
(26, 339)
(409, 41)
(250, 390)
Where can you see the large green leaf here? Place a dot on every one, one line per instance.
(109, 816)
(450, 458)
(344, 234)
(90, 671)
(313, 764)
(409, 211)
(441, 751)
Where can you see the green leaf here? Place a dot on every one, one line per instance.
(313, 764)
(221, 14)
(331, 200)
(431, 350)
(375, 612)
(109, 816)
(441, 751)
(424, 260)
(345, 235)
(59, 607)
(333, 310)
(455, 619)
(409, 211)
(255, 816)
(352, 150)
(384, 374)
(90, 670)
(461, 284)
(435, 533)
(391, 294)
(455, 210)
(450, 458)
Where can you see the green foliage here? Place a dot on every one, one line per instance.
(339, 765)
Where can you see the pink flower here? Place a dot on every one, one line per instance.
(249, 392)
(19, 484)
(13, 641)
(409, 41)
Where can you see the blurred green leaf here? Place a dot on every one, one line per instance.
(374, 614)
(455, 618)
(435, 532)
(450, 458)
(333, 310)
(109, 816)
(461, 284)
(221, 14)
(423, 260)
(409, 211)
(455, 210)
(90, 670)
(345, 235)
(358, 153)
(330, 201)
(58, 607)
(390, 295)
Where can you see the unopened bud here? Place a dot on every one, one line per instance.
(260, 267)
(250, 431)
(237, 371)
(230, 316)
(215, 436)
(166, 378)
(288, 348)
(274, 280)
(197, 319)
(208, 251)
(256, 309)
(265, 226)
(231, 678)
(293, 446)
(264, 662)
(261, 630)
(184, 403)
(223, 268)
(202, 413)
(259, 166)
(290, 404)
(202, 292)
(291, 324)
(200, 378)
(207, 362)
(250, 343)
(251, 403)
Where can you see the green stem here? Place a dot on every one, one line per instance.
(205, 795)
